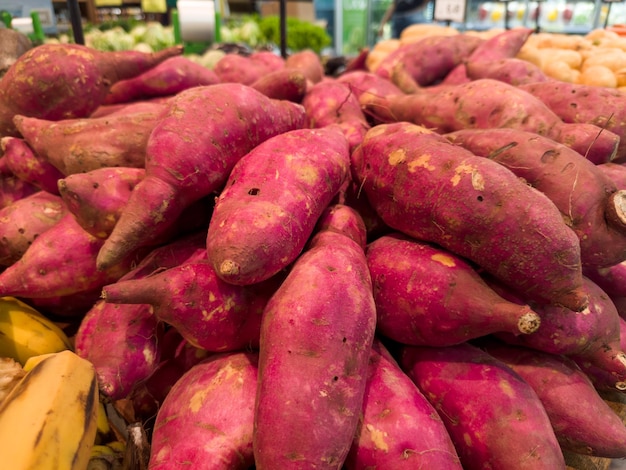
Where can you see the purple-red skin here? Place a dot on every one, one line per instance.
(488, 104)
(206, 421)
(208, 312)
(23, 162)
(588, 200)
(316, 336)
(270, 60)
(271, 202)
(309, 63)
(236, 68)
(616, 172)
(81, 145)
(591, 427)
(579, 103)
(611, 279)
(96, 198)
(361, 81)
(332, 102)
(495, 418)
(592, 335)
(153, 105)
(510, 70)
(282, 84)
(428, 296)
(345, 220)
(61, 261)
(26, 219)
(502, 45)
(121, 341)
(191, 153)
(352, 196)
(168, 78)
(399, 428)
(66, 81)
(13, 189)
(411, 174)
(73, 306)
(430, 59)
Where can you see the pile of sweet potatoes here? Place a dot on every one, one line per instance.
(416, 268)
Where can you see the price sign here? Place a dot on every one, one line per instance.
(450, 10)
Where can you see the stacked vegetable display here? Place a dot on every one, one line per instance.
(407, 267)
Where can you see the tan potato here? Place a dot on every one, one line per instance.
(598, 75)
(613, 60)
(560, 71)
(552, 54)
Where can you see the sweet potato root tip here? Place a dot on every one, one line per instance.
(229, 268)
(616, 211)
(529, 323)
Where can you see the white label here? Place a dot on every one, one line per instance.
(450, 10)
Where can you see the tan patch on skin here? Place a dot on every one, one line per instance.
(378, 437)
(444, 259)
(423, 161)
(478, 182)
(396, 157)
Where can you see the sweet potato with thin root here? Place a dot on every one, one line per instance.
(97, 198)
(24, 163)
(260, 224)
(211, 404)
(494, 417)
(331, 102)
(502, 45)
(65, 81)
(591, 427)
(488, 104)
(589, 201)
(579, 103)
(316, 335)
(168, 78)
(191, 153)
(24, 220)
(428, 296)
(592, 335)
(410, 174)
(282, 84)
(81, 145)
(399, 429)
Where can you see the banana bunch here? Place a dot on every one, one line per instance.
(49, 420)
(24, 332)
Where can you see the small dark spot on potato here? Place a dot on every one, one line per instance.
(254, 191)
(96, 186)
(331, 268)
(21, 231)
(335, 378)
(344, 339)
(479, 199)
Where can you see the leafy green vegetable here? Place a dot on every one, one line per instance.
(300, 34)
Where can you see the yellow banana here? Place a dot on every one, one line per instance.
(24, 332)
(49, 420)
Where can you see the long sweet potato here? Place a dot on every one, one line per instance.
(282, 84)
(510, 70)
(24, 220)
(308, 62)
(611, 279)
(361, 81)
(24, 163)
(589, 201)
(64, 81)
(206, 421)
(591, 427)
(316, 336)
(616, 172)
(428, 296)
(260, 224)
(190, 154)
(168, 78)
(410, 174)
(488, 104)
(399, 429)
(494, 417)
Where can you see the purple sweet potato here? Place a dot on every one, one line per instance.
(61, 261)
(410, 175)
(308, 62)
(272, 200)
(510, 70)
(81, 145)
(431, 58)
(616, 172)
(236, 68)
(13, 189)
(206, 421)
(591, 427)
(488, 104)
(65, 81)
(494, 417)
(399, 428)
(332, 102)
(611, 279)
(316, 336)
(592, 335)
(589, 201)
(428, 296)
(208, 312)
(155, 105)
(28, 166)
(361, 81)
(190, 154)
(168, 78)
(269, 59)
(282, 84)
(578, 103)
(502, 45)
(96, 198)
(345, 220)
(24, 220)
